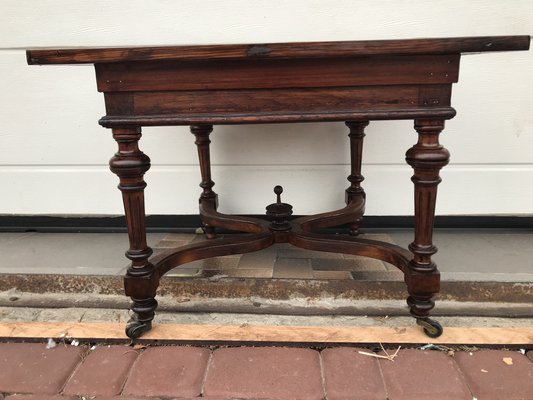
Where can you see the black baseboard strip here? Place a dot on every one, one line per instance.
(189, 223)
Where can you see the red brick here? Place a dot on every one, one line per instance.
(501, 381)
(422, 375)
(154, 398)
(39, 397)
(171, 371)
(350, 375)
(32, 368)
(103, 372)
(125, 398)
(530, 354)
(275, 373)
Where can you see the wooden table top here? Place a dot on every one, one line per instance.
(280, 50)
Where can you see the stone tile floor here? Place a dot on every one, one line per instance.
(281, 261)
(31, 371)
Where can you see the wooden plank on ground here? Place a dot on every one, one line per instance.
(270, 334)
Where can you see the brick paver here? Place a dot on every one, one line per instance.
(32, 368)
(168, 371)
(103, 372)
(40, 397)
(163, 398)
(350, 375)
(274, 373)
(125, 398)
(490, 378)
(422, 375)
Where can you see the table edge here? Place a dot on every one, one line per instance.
(452, 45)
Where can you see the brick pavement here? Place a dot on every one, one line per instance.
(29, 371)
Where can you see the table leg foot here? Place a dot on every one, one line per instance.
(354, 227)
(431, 327)
(135, 328)
(141, 320)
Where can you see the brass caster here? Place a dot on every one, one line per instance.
(431, 327)
(135, 328)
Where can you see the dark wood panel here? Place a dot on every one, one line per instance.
(246, 74)
(280, 50)
(119, 103)
(434, 95)
(276, 100)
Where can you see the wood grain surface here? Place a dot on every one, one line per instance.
(269, 334)
(280, 50)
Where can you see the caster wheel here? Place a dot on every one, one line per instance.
(135, 329)
(431, 327)
(209, 232)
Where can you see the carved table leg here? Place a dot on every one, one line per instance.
(356, 135)
(141, 280)
(426, 157)
(208, 196)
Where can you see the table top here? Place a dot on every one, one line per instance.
(279, 82)
(455, 45)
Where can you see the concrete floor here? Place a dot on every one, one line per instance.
(91, 315)
(487, 255)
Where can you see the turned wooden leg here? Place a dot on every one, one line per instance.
(356, 135)
(426, 157)
(141, 281)
(208, 196)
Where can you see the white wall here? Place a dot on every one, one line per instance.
(53, 154)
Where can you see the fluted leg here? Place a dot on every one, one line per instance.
(141, 281)
(208, 196)
(356, 135)
(426, 157)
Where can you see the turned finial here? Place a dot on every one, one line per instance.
(278, 190)
(279, 212)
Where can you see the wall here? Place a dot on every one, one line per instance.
(53, 154)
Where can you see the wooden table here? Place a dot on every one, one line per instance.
(354, 82)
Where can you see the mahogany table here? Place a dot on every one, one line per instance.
(354, 82)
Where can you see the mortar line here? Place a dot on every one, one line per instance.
(322, 375)
(383, 382)
(207, 367)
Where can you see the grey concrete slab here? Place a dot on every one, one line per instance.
(19, 314)
(61, 314)
(486, 277)
(62, 270)
(224, 318)
(105, 315)
(482, 251)
(65, 253)
(9, 237)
